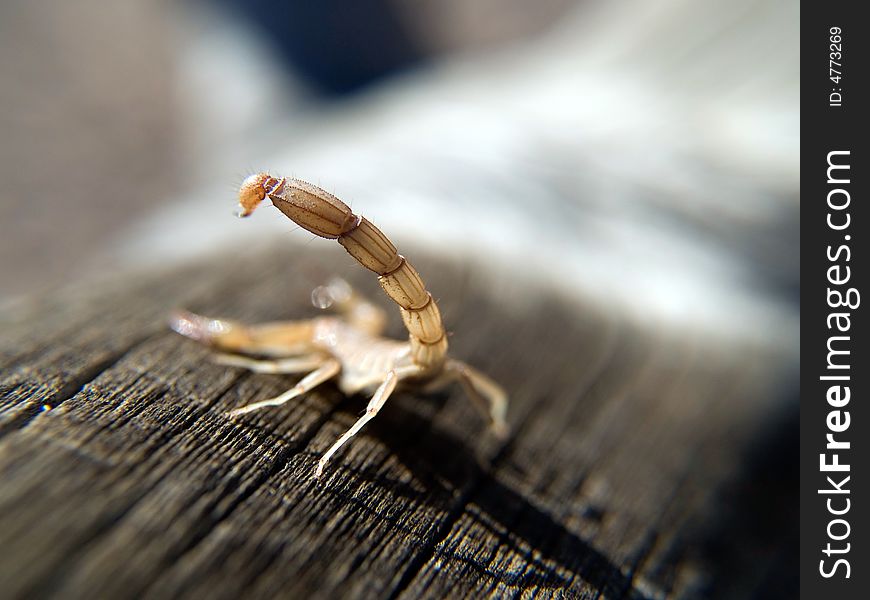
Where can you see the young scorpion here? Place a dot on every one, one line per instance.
(349, 346)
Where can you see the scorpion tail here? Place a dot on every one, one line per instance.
(326, 216)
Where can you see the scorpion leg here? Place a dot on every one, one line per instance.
(375, 404)
(486, 395)
(327, 370)
(354, 308)
(285, 366)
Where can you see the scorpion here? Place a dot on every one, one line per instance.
(350, 345)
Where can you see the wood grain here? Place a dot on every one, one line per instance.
(627, 441)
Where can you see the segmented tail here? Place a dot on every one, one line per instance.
(324, 215)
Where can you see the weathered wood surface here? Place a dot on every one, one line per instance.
(630, 473)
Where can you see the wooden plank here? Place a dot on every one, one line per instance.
(135, 483)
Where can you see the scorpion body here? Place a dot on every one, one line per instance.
(350, 346)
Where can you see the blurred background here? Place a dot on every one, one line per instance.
(623, 151)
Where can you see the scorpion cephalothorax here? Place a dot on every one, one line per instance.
(349, 346)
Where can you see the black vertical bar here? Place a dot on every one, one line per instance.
(835, 562)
